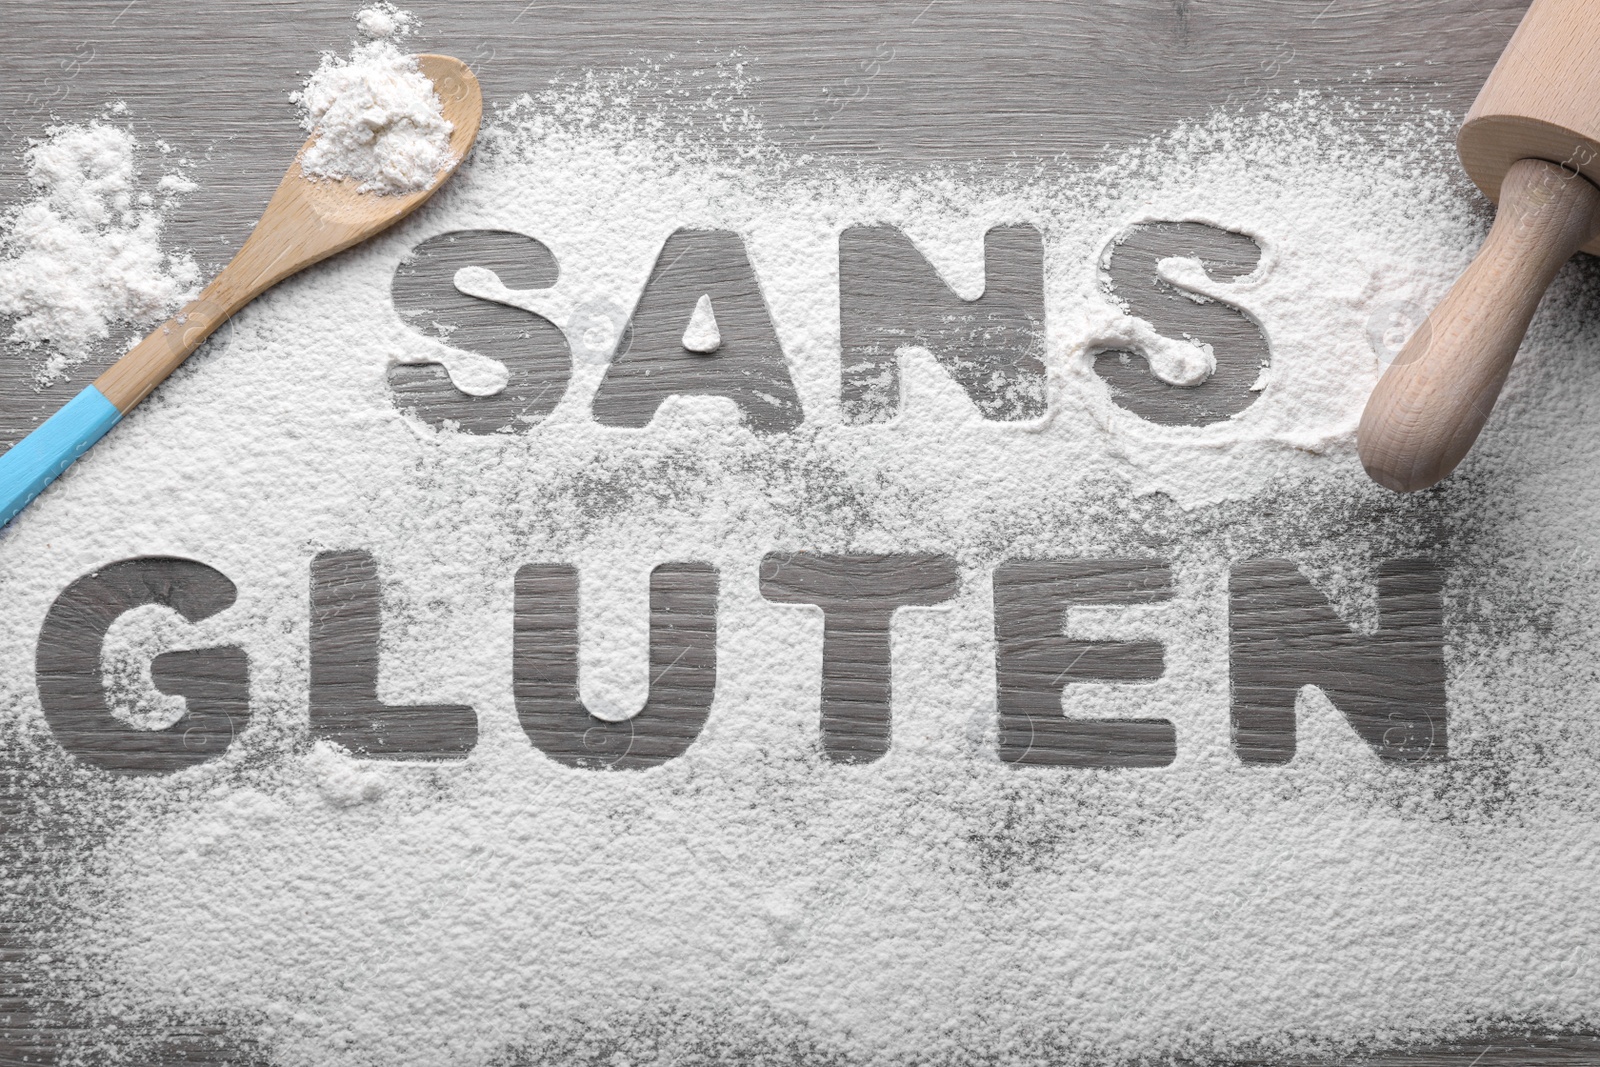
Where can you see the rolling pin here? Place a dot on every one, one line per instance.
(1532, 143)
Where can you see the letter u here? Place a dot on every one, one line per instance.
(683, 669)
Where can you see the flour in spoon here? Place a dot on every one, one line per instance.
(377, 119)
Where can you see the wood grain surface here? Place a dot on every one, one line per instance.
(912, 83)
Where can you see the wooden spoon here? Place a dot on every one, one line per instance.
(305, 222)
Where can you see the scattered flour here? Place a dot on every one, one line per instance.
(385, 21)
(84, 255)
(749, 902)
(377, 118)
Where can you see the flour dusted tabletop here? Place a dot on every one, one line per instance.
(809, 550)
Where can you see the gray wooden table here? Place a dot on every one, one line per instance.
(909, 83)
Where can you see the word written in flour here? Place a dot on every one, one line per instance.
(703, 297)
(1282, 635)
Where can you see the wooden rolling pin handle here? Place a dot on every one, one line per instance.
(1434, 399)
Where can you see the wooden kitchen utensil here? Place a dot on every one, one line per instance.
(1532, 143)
(305, 222)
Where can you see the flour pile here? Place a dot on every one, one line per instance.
(385, 21)
(749, 902)
(377, 118)
(85, 254)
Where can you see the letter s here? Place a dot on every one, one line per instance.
(532, 348)
(1236, 339)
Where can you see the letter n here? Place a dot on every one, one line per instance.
(993, 346)
(1390, 684)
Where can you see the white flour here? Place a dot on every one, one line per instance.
(748, 902)
(84, 255)
(702, 335)
(385, 21)
(377, 118)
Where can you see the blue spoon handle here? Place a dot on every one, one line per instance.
(39, 458)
